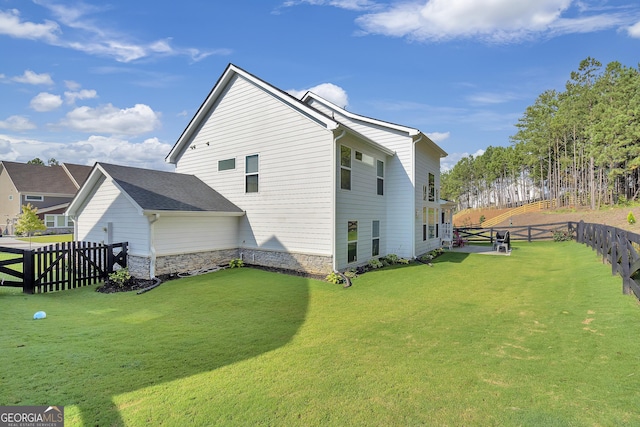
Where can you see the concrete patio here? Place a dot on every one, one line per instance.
(478, 249)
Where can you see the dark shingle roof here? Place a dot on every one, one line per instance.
(40, 179)
(79, 173)
(168, 191)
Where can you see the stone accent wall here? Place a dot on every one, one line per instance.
(313, 264)
(139, 266)
(182, 263)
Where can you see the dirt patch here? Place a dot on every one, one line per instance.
(616, 217)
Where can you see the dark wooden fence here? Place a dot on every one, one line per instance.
(618, 247)
(61, 266)
(527, 233)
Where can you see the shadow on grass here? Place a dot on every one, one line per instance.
(99, 346)
(455, 257)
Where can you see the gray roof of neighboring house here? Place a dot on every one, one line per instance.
(168, 191)
(79, 173)
(40, 179)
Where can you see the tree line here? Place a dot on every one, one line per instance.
(580, 146)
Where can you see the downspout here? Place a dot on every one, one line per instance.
(415, 189)
(152, 244)
(335, 197)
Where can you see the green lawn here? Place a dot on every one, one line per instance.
(541, 338)
(50, 238)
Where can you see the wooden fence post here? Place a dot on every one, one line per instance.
(28, 284)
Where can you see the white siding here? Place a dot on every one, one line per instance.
(361, 203)
(293, 209)
(176, 235)
(427, 161)
(108, 204)
(398, 182)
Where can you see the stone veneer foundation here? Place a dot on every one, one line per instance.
(181, 263)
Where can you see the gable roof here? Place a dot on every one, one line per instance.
(41, 179)
(157, 191)
(412, 132)
(218, 89)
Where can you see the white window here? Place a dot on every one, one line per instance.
(31, 198)
(432, 223)
(364, 158)
(380, 177)
(251, 174)
(57, 221)
(375, 242)
(345, 167)
(352, 241)
(432, 187)
(227, 164)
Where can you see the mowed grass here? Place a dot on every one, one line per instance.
(543, 337)
(50, 238)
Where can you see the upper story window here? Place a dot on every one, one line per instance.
(31, 198)
(364, 158)
(380, 177)
(227, 164)
(345, 167)
(432, 187)
(251, 174)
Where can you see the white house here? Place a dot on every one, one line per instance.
(319, 188)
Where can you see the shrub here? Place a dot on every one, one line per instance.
(375, 263)
(403, 261)
(391, 259)
(120, 277)
(561, 235)
(334, 278)
(236, 263)
(482, 219)
(630, 218)
(350, 273)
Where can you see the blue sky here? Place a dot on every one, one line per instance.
(118, 81)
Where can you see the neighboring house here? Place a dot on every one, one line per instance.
(48, 188)
(165, 216)
(317, 188)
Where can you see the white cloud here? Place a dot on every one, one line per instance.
(497, 21)
(328, 91)
(483, 98)
(91, 36)
(450, 161)
(17, 124)
(71, 97)
(149, 153)
(438, 137)
(108, 119)
(71, 85)
(13, 26)
(343, 4)
(45, 101)
(634, 30)
(32, 78)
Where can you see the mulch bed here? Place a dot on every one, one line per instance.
(135, 284)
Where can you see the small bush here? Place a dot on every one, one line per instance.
(482, 219)
(334, 278)
(350, 273)
(561, 235)
(120, 277)
(236, 263)
(391, 259)
(375, 263)
(404, 261)
(630, 218)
